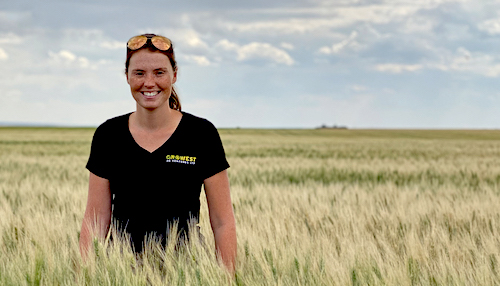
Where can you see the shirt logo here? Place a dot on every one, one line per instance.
(181, 159)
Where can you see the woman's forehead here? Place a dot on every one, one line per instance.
(147, 59)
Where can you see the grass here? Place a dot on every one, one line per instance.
(313, 207)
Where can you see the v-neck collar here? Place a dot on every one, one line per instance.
(131, 137)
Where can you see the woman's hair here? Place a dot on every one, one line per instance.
(173, 101)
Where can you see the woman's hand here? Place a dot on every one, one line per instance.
(222, 218)
(97, 217)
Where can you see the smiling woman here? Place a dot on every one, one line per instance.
(170, 154)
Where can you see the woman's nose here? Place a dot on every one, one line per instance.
(149, 80)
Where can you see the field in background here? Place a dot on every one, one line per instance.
(313, 207)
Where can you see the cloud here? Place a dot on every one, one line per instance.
(264, 50)
(199, 60)
(257, 50)
(336, 48)
(3, 55)
(466, 61)
(10, 38)
(491, 26)
(113, 45)
(307, 20)
(184, 38)
(462, 60)
(227, 45)
(418, 24)
(287, 46)
(286, 26)
(67, 58)
(192, 39)
(398, 68)
(358, 88)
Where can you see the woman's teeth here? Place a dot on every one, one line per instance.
(152, 93)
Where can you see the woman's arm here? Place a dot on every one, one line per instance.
(97, 217)
(222, 218)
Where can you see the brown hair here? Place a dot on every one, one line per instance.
(173, 101)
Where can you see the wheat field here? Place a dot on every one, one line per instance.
(312, 207)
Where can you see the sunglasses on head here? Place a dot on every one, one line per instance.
(160, 42)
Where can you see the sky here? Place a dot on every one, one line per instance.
(260, 64)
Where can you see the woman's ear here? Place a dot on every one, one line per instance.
(174, 79)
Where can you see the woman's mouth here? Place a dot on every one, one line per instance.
(150, 94)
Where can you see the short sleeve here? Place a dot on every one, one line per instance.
(98, 162)
(214, 156)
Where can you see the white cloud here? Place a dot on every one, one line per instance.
(63, 55)
(465, 61)
(398, 68)
(264, 50)
(418, 24)
(491, 26)
(256, 50)
(462, 60)
(112, 45)
(227, 45)
(68, 58)
(325, 50)
(185, 38)
(287, 26)
(193, 40)
(358, 88)
(326, 18)
(199, 60)
(287, 46)
(336, 48)
(3, 55)
(10, 38)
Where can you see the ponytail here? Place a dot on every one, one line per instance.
(174, 101)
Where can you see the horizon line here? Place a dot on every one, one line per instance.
(320, 127)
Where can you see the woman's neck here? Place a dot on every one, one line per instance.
(153, 120)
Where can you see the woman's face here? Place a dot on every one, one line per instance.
(150, 76)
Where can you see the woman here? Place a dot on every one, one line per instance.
(150, 164)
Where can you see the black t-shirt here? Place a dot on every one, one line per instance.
(153, 190)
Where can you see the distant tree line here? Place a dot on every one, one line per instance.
(335, 126)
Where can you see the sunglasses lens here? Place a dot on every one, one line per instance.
(161, 43)
(136, 42)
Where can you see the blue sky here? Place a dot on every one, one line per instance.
(265, 64)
